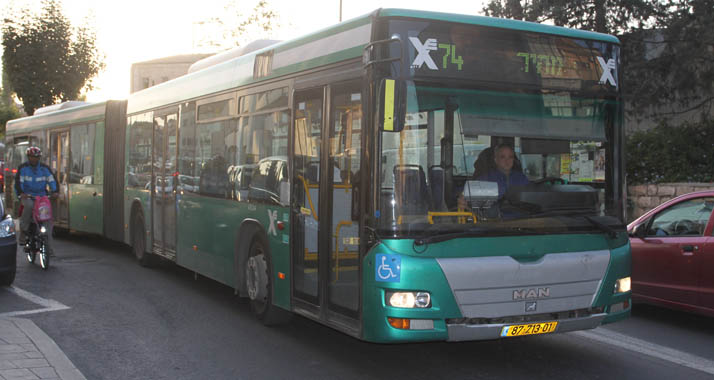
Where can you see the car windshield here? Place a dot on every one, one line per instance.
(516, 160)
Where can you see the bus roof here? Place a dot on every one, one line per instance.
(333, 44)
(66, 116)
(502, 23)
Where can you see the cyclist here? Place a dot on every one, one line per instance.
(33, 179)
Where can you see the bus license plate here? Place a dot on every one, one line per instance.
(529, 329)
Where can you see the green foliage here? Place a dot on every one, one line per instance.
(604, 16)
(7, 112)
(45, 59)
(667, 154)
(670, 70)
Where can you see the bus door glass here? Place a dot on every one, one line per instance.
(171, 183)
(59, 163)
(307, 132)
(343, 171)
(163, 192)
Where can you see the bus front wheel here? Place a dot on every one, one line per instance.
(259, 285)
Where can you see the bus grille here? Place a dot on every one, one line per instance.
(501, 286)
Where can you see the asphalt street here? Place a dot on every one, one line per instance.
(116, 320)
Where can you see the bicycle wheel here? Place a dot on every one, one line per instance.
(30, 253)
(44, 256)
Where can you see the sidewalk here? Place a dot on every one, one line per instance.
(28, 353)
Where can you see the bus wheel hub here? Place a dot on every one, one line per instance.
(257, 278)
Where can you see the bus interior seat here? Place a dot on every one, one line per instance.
(411, 193)
(436, 182)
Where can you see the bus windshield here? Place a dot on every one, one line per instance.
(559, 179)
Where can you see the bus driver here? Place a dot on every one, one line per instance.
(504, 174)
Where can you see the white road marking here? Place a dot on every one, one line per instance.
(47, 305)
(648, 348)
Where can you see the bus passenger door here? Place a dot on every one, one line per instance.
(59, 163)
(343, 285)
(305, 180)
(163, 187)
(325, 238)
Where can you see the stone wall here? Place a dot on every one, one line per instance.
(642, 198)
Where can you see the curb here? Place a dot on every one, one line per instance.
(54, 355)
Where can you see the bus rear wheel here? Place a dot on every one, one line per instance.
(259, 285)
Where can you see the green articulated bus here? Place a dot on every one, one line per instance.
(348, 176)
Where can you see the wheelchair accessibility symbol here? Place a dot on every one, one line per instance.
(388, 268)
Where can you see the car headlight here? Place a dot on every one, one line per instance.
(409, 300)
(623, 285)
(7, 228)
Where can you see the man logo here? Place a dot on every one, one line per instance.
(607, 68)
(525, 294)
(423, 53)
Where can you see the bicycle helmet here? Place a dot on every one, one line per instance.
(33, 151)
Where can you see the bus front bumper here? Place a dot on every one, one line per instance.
(464, 332)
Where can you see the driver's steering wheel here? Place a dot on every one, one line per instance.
(550, 180)
(684, 227)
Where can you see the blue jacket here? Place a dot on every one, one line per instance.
(514, 178)
(34, 180)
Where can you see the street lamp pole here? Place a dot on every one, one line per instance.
(340, 10)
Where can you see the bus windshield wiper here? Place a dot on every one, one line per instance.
(602, 226)
(582, 213)
(473, 232)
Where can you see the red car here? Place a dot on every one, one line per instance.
(673, 254)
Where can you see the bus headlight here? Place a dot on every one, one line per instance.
(409, 300)
(7, 228)
(623, 285)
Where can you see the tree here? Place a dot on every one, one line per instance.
(670, 68)
(45, 59)
(8, 111)
(236, 29)
(603, 16)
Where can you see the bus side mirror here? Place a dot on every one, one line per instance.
(391, 94)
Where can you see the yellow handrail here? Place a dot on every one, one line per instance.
(462, 215)
(307, 194)
(337, 246)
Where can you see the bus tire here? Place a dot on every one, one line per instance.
(8, 278)
(259, 285)
(138, 241)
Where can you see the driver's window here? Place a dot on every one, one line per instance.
(688, 218)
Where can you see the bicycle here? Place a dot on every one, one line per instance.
(36, 239)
